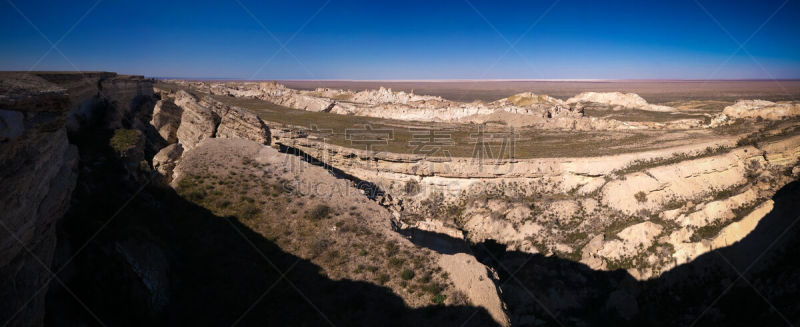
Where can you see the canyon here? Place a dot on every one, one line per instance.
(524, 210)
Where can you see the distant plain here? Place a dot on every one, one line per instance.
(654, 91)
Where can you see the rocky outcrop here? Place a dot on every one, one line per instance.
(37, 111)
(205, 118)
(184, 121)
(39, 169)
(38, 175)
(166, 120)
(519, 110)
(784, 152)
(197, 122)
(164, 161)
(239, 123)
(631, 240)
(684, 181)
(686, 250)
(618, 101)
(554, 206)
(762, 109)
(525, 109)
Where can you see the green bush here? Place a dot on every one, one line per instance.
(412, 187)
(438, 299)
(124, 139)
(432, 288)
(391, 249)
(196, 195)
(223, 203)
(396, 262)
(640, 196)
(383, 279)
(407, 274)
(425, 278)
(319, 212)
(248, 211)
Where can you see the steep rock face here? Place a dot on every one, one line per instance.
(166, 120)
(206, 118)
(238, 123)
(686, 250)
(197, 122)
(126, 96)
(165, 160)
(184, 120)
(38, 175)
(39, 170)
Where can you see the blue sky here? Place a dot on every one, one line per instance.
(341, 39)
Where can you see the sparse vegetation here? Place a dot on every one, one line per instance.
(641, 165)
(366, 255)
(383, 278)
(708, 231)
(124, 139)
(407, 274)
(438, 299)
(412, 187)
(640, 196)
(319, 212)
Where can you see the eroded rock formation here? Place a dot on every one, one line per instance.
(645, 212)
(762, 109)
(618, 101)
(39, 172)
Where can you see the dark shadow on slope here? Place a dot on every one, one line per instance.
(706, 291)
(371, 190)
(162, 260)
(438, 242)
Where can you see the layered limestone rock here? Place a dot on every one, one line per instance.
(166, 120)
(194, 120)
(165, 160)
(655, 188)
(555, 206)
(686, 250)
(631, 240)
(618, 101)
(762, 109)
(239, 123)
(184, 121)
(197, 122)
(38, 176)
(521, 110)
(384, 95)
(784, 152)
(525, 109)
(39, 164)
(39, 171)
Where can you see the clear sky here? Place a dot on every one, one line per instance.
(342, 39)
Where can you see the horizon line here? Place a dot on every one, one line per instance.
(481, 80)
